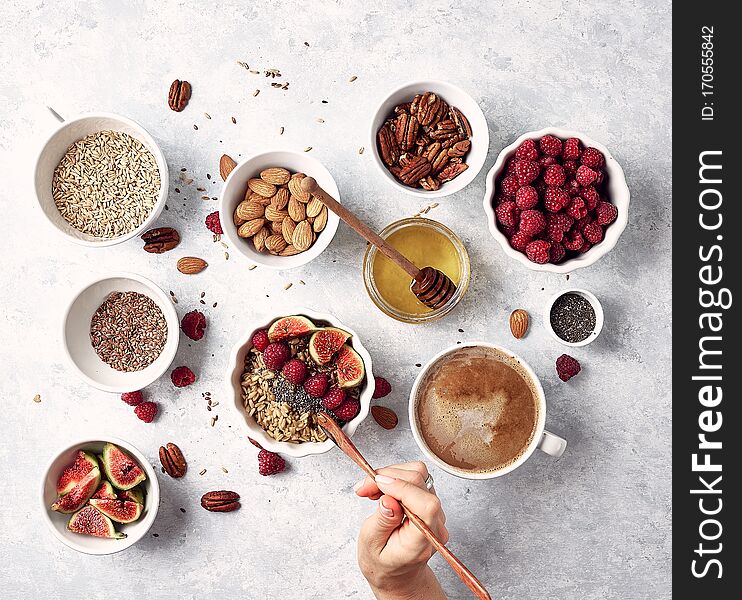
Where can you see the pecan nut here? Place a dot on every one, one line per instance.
(405, 128)
(429, 183)
(388, 146)
(430, 109)
(414, 170)
(220, 501)
(451, 171)
(173, 461)
(160, 240)
(440, 161)
(180, 94)
(459, 148)
(462, 123)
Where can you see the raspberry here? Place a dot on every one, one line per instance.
(526, 197)
(527, 171)
(527, 150)
(509, 186)
(554, 175)
(270, 463)
(591, 197)
(146, 411)
(382, 387)
(592, 157)
(573, 187)
(507, 213)
(571, 149)
(532, 222)
(606, 213)
(194, 325)
(599, 178)
(275, 355)
(260, 340)
(556, 253)
(592, 232)
(510, 168)
(213, 223)
(509, 231)
(538, 251)
(574, 240)
(132, 398)
(348, 409)
(560, 220)
(585, 247)
(295, 371)
(555, 199)
(182, 377)
(554, 232)
(333, 398)
(316, 385)
(567, 367)
(570, 167)
(519, 241)
(546, 161)
(577, 208)
(585, 175)
(551, 145)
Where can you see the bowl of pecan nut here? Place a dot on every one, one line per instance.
(429, 138)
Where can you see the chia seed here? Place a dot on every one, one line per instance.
(295, 396)
(572, 318)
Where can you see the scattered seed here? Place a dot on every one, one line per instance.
(182, 510)
(254, 72)
(188, 181)
(177, 190)
(203, 472)
(183, 169)
(360, 150)
(288, 285)
(207, 115)
(319, 120)
(306, 44)
(203, 294)
(200, 189)
(434, 205)
(213, 305)
(172, 293)
(208, 176)
(213, 404)
(280, 131)
(205, 198)
(352, 79)
(255, 93)
(251, 267)
(37, 398)
(308, 149)
(234, 120)
(225, 470)
(202, 302)
(226, 256)
(244, 65)
(214, 419)
(301, 281)
(195, 126)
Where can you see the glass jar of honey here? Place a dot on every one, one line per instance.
(425, 243)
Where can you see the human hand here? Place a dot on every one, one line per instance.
(392, 553)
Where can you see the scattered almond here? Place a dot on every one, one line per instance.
(190, 265)
(519, 323)
(226, 165)
(384, 416)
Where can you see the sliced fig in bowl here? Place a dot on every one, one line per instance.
(325, 342)
(286, 328)
(121, 469)
(121, 511)
(80, 494)
(74, 473)
(105, 491)
(90, 521)
(134, 495)
(349, 367)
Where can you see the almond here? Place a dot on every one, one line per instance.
(275, 243)
(297, 210)
(287, 229)
(259, 239)
(275, 175)
(314, 207)
(226, 165)
(237, 219)
(280, 199)
(250, 228)
(295, 188)
(190, 265)
(277, 226)
(519, 323)
(261, 187)
(275, 215)
(289, 250)
(384, 416)
(320, 220)
(303, 236)
(248, 210)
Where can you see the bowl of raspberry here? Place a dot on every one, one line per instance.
(556, 200)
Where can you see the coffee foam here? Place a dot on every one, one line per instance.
(477, 409)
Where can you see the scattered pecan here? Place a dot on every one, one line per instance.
(180, 94)
(172, 460)
(220, 501)
(160, 240)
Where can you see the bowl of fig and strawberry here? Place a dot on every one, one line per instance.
(556, 200)
(287, 369)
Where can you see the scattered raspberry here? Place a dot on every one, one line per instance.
(591, 197)
(538, 251)
(577, 208)
(571, 150)
(316, 385)
(532, 222)
(182, 377)
(527, 150)
(194, 325)
(555, 199)
(519, 241)
(382, 387)
(573, 241)
(551, 145)
(606, 213)
(295, 371)
(526, 197)
(567, 367)
(527, 171)
(556, 253)
(593, 158)
(554, 175)
(260, 340)
(213, 223)
(333, 398)
(275, 355)
(592, 232)
(132, 398)
(507, 213)
(509, 186)
(146, 411)
(348, 409)
(270, 463)
(570, 167)
(585, 175)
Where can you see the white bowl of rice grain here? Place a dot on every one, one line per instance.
(101, 179)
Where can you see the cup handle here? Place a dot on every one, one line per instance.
(552, 444)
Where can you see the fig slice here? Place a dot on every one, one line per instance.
(80, 494)
(74, 473)
(325, 342)
(121, 469)
(349, 367)
(105, 491)
(90, 521)
(121, 511)
(133, 495)
(286, 328)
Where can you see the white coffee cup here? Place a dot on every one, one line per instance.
(543, 440)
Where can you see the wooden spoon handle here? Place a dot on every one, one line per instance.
(309, 185)
(346, 445)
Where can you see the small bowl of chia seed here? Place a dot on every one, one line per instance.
(574, 317)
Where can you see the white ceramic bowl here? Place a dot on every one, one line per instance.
(597, 307)
(76, 333)
(87, 544)
(234, 390)
(233, 192)
(54, 149)
(454, 96)
(618, 194)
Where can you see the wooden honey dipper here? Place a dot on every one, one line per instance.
(432, 287)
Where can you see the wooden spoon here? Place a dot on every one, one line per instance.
(343, 442)
(432, 287)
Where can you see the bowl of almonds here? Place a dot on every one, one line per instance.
(266, 215)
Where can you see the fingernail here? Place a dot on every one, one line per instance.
(387, 512)
(384, 480)
(358, 485)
